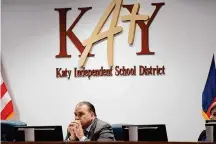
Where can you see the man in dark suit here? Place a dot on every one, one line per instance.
(87, 127)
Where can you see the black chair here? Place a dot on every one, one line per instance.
(118, 132)
(8, 129)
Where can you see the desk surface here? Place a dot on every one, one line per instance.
(92, 142)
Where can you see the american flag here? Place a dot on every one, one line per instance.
(6, 102)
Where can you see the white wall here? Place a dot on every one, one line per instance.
(182, 35)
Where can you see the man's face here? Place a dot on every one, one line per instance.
(213, 114)
(83, 114)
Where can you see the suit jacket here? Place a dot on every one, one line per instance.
(99, 131)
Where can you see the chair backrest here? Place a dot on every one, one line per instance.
(8, 129)
(118, 132)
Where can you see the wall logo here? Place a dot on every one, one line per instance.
(85, 47)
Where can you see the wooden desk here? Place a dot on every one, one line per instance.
(106, 142)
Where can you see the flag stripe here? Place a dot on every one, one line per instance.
(6, 112)
(208, 111)
(6, 102)
(6, 99)
(205, 115)
(10, 116)
(3, 89)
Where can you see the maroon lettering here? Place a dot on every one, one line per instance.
(64, 33)
(145, 28)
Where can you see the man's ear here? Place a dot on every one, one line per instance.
(92, 114)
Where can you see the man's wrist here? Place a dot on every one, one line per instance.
(83, 138)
